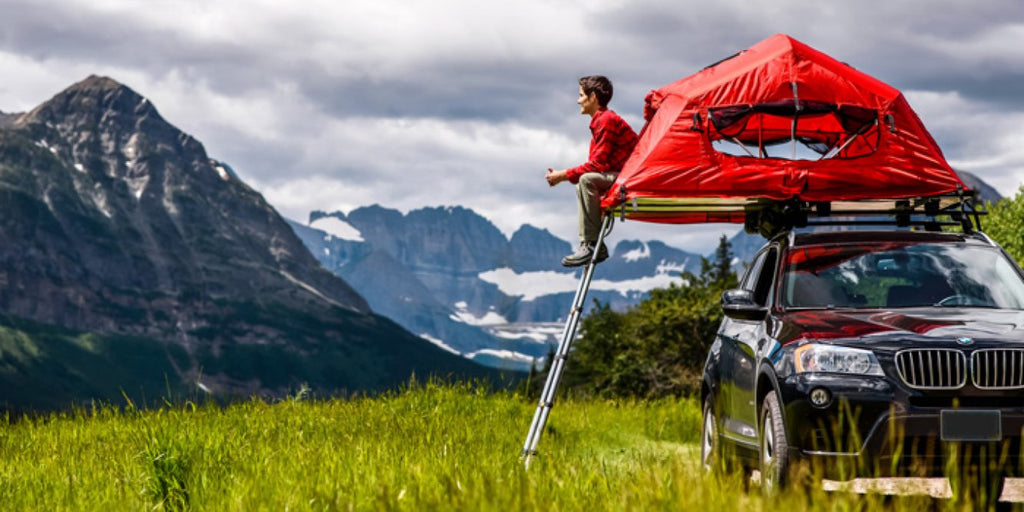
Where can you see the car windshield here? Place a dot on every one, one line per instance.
(900, 275)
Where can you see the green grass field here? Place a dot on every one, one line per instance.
(430, 447)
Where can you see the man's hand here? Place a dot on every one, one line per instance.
(555, 177)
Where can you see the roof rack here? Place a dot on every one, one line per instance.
(931, 213)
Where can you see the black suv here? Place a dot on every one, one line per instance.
(869, 353)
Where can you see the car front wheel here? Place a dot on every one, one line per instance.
(774, 448)
(710, 443)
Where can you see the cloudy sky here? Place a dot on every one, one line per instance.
(332, 105)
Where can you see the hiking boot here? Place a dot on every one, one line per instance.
(602, 253)
(583, 254)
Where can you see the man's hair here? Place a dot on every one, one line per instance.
(598, 85)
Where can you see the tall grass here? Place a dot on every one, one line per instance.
(430, 447)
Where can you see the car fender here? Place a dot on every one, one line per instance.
(710, 373)
(767, 381)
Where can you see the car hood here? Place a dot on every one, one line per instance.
(943, 325)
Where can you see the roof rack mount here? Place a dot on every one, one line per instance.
(930, 213)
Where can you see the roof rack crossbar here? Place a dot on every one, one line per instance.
(912, 222)
(768, 218)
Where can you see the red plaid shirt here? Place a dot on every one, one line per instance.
(611, 143)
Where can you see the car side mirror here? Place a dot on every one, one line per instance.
(740, 305)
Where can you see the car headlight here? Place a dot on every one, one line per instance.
(813, 357)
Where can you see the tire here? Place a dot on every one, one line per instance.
(710, 441)
(773, 456)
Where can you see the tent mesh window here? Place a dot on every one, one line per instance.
(794, 130)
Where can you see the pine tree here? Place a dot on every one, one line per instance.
(720, 270)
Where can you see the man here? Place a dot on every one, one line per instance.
(612, 141)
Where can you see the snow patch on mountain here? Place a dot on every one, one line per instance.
(667, 267)
(462, 314)
(43, 144)
(337, 228)
(538, 332)
(222, 172)
(137, 185)
(643, 284)
(439, 343)
(507, 355)
(531, 285)
(642, 252)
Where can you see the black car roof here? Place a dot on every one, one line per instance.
(861, 236)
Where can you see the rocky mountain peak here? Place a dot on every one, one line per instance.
(99, 124)
(532, 249)
(142, 216)
(92, 97)
(449, 239)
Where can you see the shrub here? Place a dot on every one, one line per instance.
(656, 348)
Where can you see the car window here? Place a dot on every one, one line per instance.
(897, 275)
(765, 277)
(749, 281)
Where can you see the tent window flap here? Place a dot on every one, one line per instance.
(827, 129)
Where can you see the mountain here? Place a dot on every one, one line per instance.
(986, 193)
(118, 234)
(449, 275)
(533, 249)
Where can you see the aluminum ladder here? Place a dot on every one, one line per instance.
(547, 397)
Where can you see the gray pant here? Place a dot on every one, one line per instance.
(589, 191)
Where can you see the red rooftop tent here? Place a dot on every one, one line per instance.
(866, 142)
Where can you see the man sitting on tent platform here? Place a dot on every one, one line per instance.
(612, 141)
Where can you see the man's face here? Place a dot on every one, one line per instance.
(588, 103)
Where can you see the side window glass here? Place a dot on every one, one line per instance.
(766, 274)
(750, 278)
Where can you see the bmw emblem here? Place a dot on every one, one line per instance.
(964, 341)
